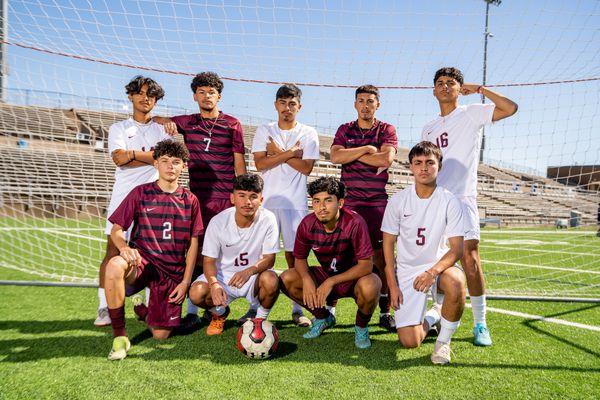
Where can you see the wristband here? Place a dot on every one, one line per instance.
(480, 89)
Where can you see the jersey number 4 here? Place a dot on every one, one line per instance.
(442, 140)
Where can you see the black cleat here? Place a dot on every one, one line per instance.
(387, 322)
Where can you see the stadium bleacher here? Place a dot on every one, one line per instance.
(58, 173)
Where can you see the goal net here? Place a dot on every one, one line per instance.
(66, 64)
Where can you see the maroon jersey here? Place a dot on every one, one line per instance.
(339, 250)
(365, 186)
(164, 224)
(211, 143)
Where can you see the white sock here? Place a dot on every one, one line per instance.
(101, 299)
(219, 310)
(192, 308)
(331, 310)
(432, 317)
(296, 309)
(447, 330)
(478, 306)
(262, 312)
(147, 295)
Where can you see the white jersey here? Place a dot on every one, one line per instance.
(131, 135)
(236, 249)
(285, 187)
(422, 227)
(458, 134)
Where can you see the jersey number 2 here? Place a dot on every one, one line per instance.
(167, 230)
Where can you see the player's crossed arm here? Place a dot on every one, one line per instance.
(342, 155)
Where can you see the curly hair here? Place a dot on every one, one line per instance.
(154, 89)
(210, 79)
(327, 184)
(452, 72)
(248, 182)
(171, 148)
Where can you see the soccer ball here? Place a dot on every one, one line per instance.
(257, 339)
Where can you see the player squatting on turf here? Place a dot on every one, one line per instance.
(162, 251)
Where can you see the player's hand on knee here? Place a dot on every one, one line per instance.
(309, 293)
(423, 282)
(322, 292)
(131, 256)
(178, 294)
(240, 278)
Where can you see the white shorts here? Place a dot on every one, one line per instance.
(412, 310)
(109, 226)
(246, 291)
(288, 221)
(470, 217)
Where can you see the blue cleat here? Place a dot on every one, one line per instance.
(318, 326)
(482, 335)
(361, 338)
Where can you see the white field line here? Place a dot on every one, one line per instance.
(537, 250)
(62, 231)
(544, 319)
(529, 232)
(22, 228)
(541, 267)
(58, 232)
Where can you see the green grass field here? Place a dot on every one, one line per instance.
(49, 347)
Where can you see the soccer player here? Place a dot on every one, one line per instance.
(239, 251)
(285, 152)
(458, 132)
(162, 251)
(130, 143)
(340, 240)
(366, 149)
(418, 220)
(216, 144)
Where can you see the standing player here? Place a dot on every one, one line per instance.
(161, 253)
(216, 144)
(419, 220)
(457, 131)
(130, 144)
(239, 251)
(285, 152)
(340, 241)
(366, 149)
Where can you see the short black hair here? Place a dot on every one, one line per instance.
(248, 182)
(370, 89)
(154, 89)
(288, 91)
(210, 79)
(425, 148)
(327, 184)
(452, 72)
(171, 148)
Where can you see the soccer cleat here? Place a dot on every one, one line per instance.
(441, 353)
(217, 323)
(120, 347)
(250, 314)
(482, 335)
(361, 337)
(190, 322)
(102, 318)
(301, 320)
(139, 308)
(387, 322)
(318, 326)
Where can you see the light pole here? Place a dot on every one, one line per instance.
(486, 34)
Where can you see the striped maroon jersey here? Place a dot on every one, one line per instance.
(211, 144)
(163, 225)
(339, 250)
(365, 186)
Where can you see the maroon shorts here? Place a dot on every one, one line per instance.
(340, 290)
(161, 313)
(373, 216)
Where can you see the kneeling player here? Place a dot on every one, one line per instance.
(340, 241)
(162, 252)
(239, 251)
(418, 220)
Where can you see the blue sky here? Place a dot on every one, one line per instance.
(385, 43)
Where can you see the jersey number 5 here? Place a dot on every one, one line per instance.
(420, 237)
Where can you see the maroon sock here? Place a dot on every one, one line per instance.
(384, 303)
(332, 303)
(141, 311)
(319, 313)
(362, 320)
(117, 320)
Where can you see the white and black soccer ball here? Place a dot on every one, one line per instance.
(257, 339)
